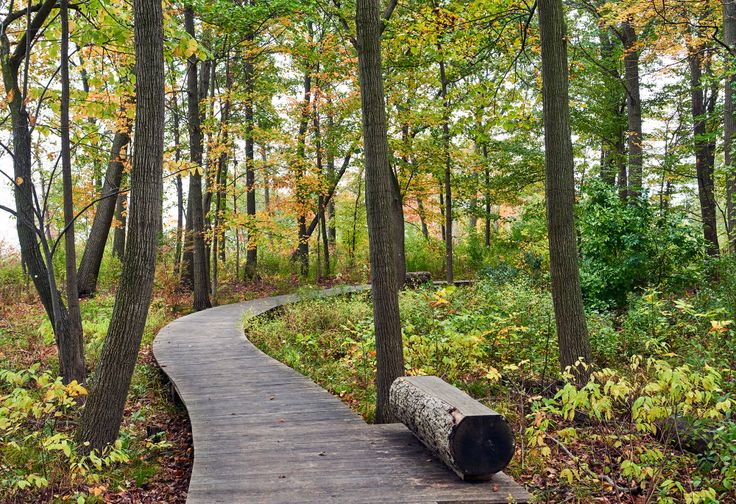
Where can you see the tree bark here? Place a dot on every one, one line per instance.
(179, 185)
(121, 216)
(633, 106)
(195, 210)
(103, 413)
(473, 440)
(703, 168)
(75, 368)
(251, 254)
(729, 38)
(301, 190)
(572, 333)
(379, 194)
(89, 267)
(449, 274)
(487, 196)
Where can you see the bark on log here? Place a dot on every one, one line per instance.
(415, 279)
(473, 440)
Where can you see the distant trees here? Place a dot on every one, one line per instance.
(572, 332)
(103, 411)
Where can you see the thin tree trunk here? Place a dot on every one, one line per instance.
(103, 413)
(121, 216)
(703, 168)
(449, 274)
(422, 217)
(195, 211)
(75, 368)
(251, 254)
(179, 184)
(379, 196)
(353, 236)
(301, 189)
(487, 195)
(729, 38)
(572, 333)
(89, 267)
(322, 233)
(331, 216)
(633, 105)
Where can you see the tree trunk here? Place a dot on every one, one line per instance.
(121, 216)
(251, 254)
(703, 168)
(572, 333)
(89, 267)
(449, 274)
(398, 231)
(74, 367)
(195, 210)
(103, 413)
(487, 196)
(179, 185)
(729, 38)
(633, 106)
(422, 217)
(331, 216)
(320, 199)
(301, 190)
(379, 195)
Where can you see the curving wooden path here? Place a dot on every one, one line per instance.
(263, 433)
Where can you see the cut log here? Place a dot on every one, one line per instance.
(473, 440)
(416, 279)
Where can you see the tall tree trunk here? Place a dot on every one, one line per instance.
(487, 195)
(179, 185)
(75, 368)
(703, 168)
(609, 152)
(622, 180)
(729, 38)
(121, 216)
(422, 217)
(449, 274)
(103, 413)
(195, 210)
(633, 106)
(320, 199)
(331, 216)
(251, 254)
(572, 333)
(398, 231)
(379, 195)
(301, 189)
(89, 267)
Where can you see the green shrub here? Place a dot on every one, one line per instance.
(627, 246)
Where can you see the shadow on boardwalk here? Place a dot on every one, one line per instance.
(263, 433)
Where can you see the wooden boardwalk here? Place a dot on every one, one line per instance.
(263, 433)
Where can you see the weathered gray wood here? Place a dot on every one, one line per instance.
(263, 433)
(472, 439)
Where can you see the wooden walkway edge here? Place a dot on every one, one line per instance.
(263, 433)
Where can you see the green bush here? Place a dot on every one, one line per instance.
(627, 246)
